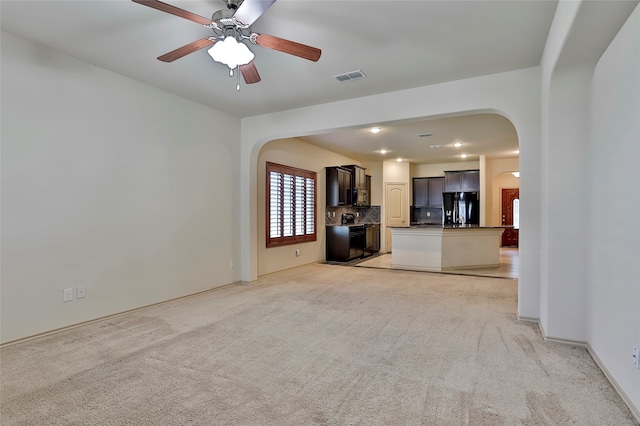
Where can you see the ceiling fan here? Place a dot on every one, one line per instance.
(231, 27)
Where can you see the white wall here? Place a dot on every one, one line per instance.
(580, 33)
(437, 170)
(614, 229)
(295, 153)
(498, 172)
(396, 172)
(110, 184)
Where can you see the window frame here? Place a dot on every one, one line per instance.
(294, 239)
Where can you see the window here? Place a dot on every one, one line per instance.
(516, 213)
(291, 205)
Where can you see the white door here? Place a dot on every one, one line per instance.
(396, 208)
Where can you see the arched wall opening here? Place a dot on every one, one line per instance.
(514, 95)
(298, 153)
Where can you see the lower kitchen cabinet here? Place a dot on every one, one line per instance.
(372, 239)
(345, 242)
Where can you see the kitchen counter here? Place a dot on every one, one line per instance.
(431, 225)
(438, 247)
(353, 224)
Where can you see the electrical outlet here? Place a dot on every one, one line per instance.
(232, 263)
(636, 357)
(67, 295)
(297, 252)
(81, 292)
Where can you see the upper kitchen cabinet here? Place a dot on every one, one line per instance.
(338, 186)
(462, 181)
(427, 192)
(436, 187)
(453, 181)
(471, 181)
(358, 176)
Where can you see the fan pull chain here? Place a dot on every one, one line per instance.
(238, 75)
(230, 72)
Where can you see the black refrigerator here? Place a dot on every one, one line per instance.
(461, 208)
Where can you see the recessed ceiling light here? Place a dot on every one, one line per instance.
(375, 130)
(435, 146)
(516, 174)
(383, 151)
(463, 156)
(399, 160)
(457, 144)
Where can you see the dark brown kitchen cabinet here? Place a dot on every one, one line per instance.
(453, 181)
(427, 192)
(436, 187)
(358, 176)
(338, 186)
(345, 242)
(462, 181)
(420, 192)
(471, 181)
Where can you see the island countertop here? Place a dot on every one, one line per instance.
(415, 225)
(438, 247)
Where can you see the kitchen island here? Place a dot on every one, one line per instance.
(439, 248)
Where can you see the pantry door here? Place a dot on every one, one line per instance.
(396, 209)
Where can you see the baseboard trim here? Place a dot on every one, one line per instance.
(635, 411)
(106, 317)
(564, 341)
(528, 319)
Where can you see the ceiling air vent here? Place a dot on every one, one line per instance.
(348, 76)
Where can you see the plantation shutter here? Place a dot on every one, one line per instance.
(291, 205)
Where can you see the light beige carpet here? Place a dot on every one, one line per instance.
(319, 344)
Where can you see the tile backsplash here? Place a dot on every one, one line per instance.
(365, 214)
(426, 215)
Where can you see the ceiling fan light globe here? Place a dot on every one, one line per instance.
(231, 53)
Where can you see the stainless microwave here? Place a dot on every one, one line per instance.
(360, 197)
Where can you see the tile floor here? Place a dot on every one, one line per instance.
(508, 265)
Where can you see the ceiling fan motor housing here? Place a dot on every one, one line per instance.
(233, 4)
(224, 25)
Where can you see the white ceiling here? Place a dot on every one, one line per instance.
(397, 44)
(491, 135)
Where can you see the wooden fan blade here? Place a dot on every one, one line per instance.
(250, 73)
(185, 50)
(250, 10)
(164, 7)
(287, 46)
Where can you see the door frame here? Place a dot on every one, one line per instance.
(508, 232)
(405, 212)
